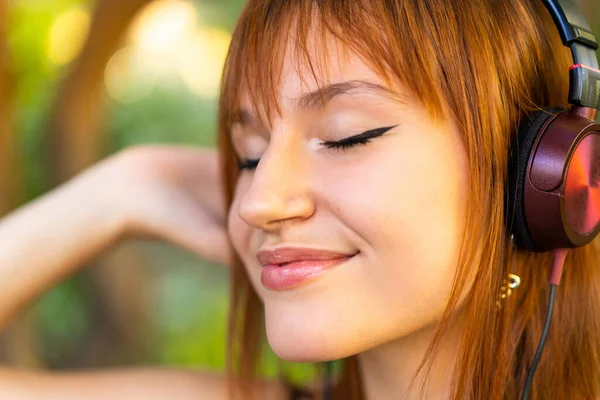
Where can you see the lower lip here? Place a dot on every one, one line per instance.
(294, 274)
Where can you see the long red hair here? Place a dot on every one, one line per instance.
(487, 64)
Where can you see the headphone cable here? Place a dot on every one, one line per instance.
(557, 266)
(538, 353)
(327, 381)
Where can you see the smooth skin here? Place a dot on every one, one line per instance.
(170, 193)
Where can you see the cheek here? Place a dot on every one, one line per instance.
(242, 237)
(408, 212)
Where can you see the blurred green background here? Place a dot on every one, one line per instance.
(155, 81)
(80, 80)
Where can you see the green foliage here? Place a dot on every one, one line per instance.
(35, 80)
(63, 316)
(167, 114)
(222, 13)
(189, 312)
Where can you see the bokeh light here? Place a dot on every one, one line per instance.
(161, 24)
(67, 35)
(201, 67)
(165, 46)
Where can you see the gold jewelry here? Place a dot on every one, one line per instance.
(507, 287)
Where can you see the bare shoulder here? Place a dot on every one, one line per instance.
(146, 383)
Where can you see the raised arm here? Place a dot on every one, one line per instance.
(124, 384)
(47, 239)
(171, 193)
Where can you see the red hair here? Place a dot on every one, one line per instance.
(486, 64)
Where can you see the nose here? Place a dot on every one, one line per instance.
(279, 191)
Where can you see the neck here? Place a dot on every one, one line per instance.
(387, 370)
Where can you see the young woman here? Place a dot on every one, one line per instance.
(374, 137)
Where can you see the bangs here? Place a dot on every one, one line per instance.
(270, 33)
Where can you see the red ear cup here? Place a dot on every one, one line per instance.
(582, 191)
(518, 162)
(554, 181)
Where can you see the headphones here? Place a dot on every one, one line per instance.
(554, 167)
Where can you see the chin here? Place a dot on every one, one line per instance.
(307, 350)
(297, 341)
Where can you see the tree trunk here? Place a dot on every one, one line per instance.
(10, 178)
(76, 140)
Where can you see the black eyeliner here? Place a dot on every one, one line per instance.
(360, 138)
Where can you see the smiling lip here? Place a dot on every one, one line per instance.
(288, 267)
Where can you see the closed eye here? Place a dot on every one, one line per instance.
(343, 144)
(362, 138)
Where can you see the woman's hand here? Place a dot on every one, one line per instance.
(172, 193)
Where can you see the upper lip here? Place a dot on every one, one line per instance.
(284, 255)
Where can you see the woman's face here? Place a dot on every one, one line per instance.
(395, 206)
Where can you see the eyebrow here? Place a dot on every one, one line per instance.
(322, 96)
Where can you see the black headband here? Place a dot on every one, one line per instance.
(576, 33)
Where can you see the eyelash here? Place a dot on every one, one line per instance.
(340, 145)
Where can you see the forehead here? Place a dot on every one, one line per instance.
(334, 63)
(326, 71)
